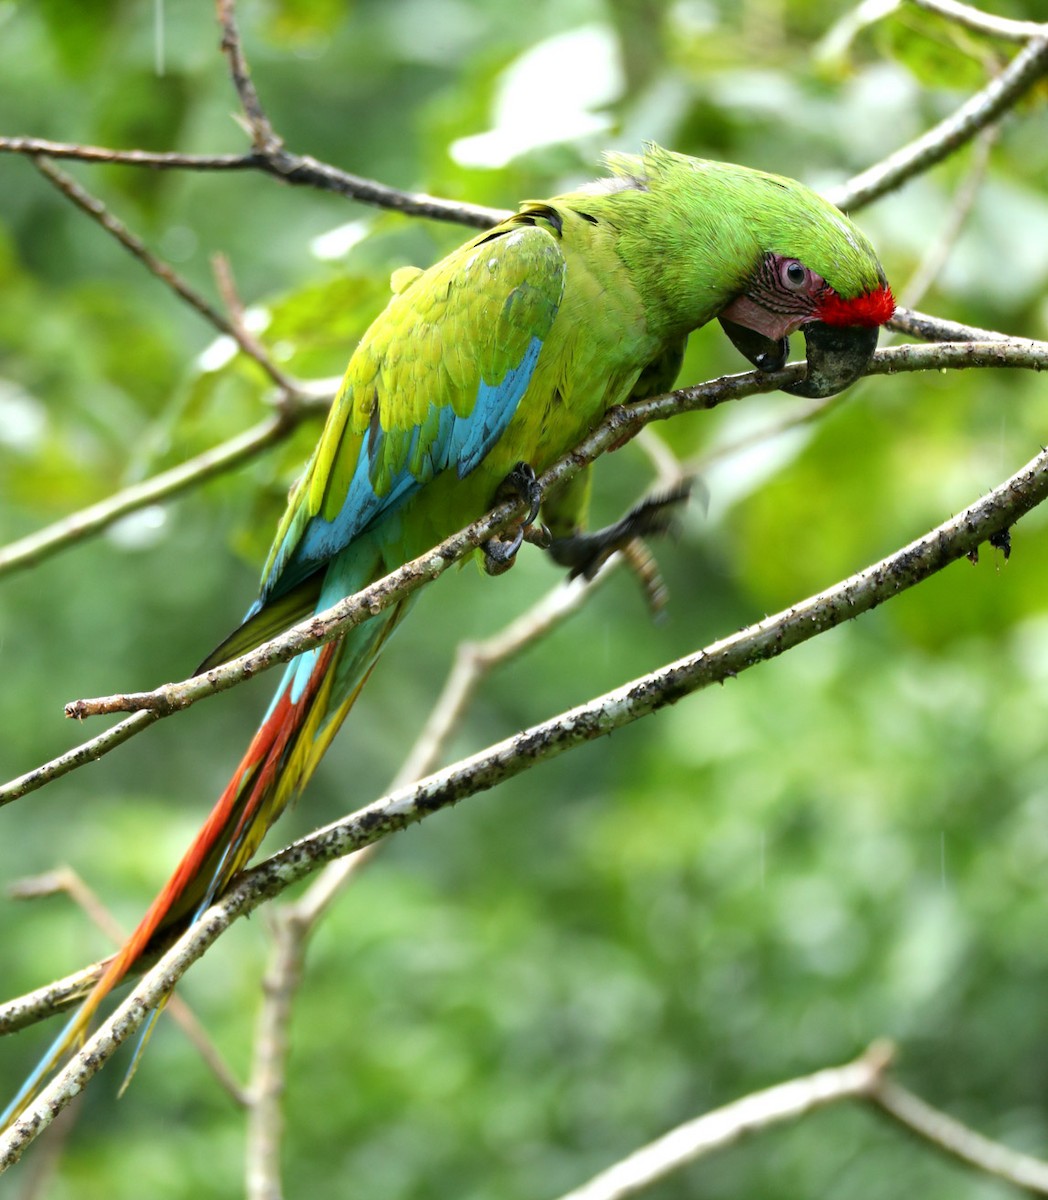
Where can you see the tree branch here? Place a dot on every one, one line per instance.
(978, 111)
(298, 169)
(79, 756)
(617, 427)
(983, 22)
(723, 1126)
(263, 138)
(958, 1141)
(864, 1079)
(35, 547)
(135, 246)
(960, 536)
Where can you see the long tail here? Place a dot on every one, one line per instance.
(317, 691)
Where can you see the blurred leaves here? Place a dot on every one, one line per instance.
(845, 843)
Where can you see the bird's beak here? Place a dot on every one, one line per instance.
(765, 353)
(837, 355)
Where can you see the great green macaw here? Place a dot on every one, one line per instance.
(507, 352)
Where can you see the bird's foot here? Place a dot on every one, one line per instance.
(585, 553)
(500, 552)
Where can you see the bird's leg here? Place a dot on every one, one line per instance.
(585, 553)
(500, 551)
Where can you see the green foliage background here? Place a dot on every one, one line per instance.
(846, 843)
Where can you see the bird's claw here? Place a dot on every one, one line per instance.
(585, 553)
(500, 551)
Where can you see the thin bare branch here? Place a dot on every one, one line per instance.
(978, 111)
(723, 660)
(35, 547)
(723, 1126)
(135, 246)
(291, 390)
(865, 1079)
(975, 18)
(263, 138)
(619, 425)
(265, 1122)
(298, 169)
(22, 1011)
(959, 1141)
(38, 546)
(87, 752)
(66, 881)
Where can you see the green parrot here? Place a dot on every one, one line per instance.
(484, 369)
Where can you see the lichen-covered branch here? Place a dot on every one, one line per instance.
(618, 426)
(721, 661)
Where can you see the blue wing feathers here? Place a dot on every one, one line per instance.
(460, 442)
(408, 437)
(496, 403)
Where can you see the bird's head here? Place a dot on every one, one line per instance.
(785, 294)
(763, 253)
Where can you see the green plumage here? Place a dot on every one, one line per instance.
(508, 350)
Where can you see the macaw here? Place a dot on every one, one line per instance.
(484, 369)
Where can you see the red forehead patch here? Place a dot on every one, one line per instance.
(872, 308)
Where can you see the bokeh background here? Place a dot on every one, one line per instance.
(846, 843)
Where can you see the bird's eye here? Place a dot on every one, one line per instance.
(794, 275)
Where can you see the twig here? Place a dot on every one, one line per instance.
(22, 1011)
(724, 1126)
(978, 111)
(36, 547)
(291, 391)
(957, 1140)
(865, 1079)
(619, 425)
(87, 752)
(299, 169)
(134, 245)
(303, 170)
(960, 536)
(265, 1121)
(263, 137)
(66, 881)
(975, 18)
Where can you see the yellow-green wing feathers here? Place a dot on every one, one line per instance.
(432, 386)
